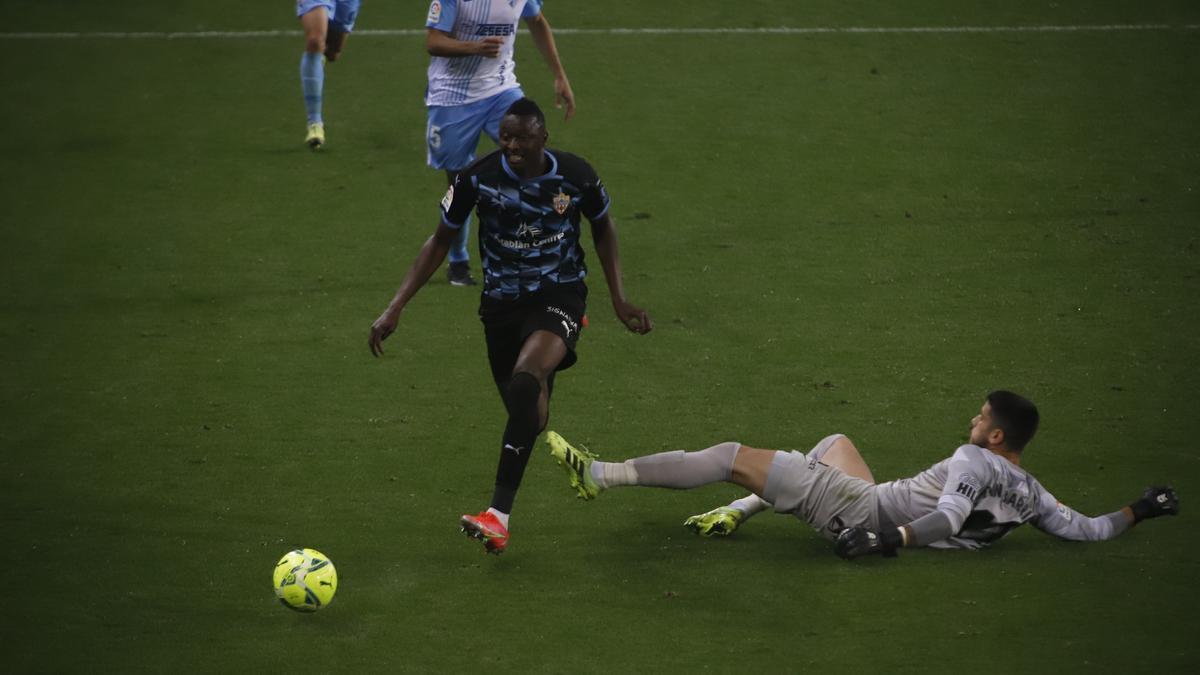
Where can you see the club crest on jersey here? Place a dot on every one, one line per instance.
(435, 12)
(561, 202)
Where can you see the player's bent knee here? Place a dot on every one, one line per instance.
(314, 45)
(726, 453)
(842, 454)
(522, 393)
(843, 444)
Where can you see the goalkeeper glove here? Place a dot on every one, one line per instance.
(853, 542)
(1155, 502)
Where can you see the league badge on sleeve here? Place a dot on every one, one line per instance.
(561, 202)
(1064, 511)
(448, 199)
(435, 12)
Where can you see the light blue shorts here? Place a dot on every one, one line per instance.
(452, 131)
(342, 13)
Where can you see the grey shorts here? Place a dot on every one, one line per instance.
(821, 495)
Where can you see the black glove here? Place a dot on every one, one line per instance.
(853, 542)
(1155, 502)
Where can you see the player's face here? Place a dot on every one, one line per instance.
(982, 425)
(523, 140)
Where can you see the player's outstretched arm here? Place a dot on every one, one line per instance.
(543, 37)
(432, 253)
(604, 236)
(1064, 522)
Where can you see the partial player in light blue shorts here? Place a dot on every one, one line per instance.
(326, 24)
(451, 135)
(452, 132)
(340, 13)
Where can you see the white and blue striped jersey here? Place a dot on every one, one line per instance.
(458, 80)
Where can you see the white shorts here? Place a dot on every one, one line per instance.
(823, 496)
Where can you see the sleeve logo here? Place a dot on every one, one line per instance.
(448, 199)
(1064, 511)
(968, 486)
(435, 12)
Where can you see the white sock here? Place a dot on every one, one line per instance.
(750, 505)
(613, 474)
(681, 470)
(500, 515)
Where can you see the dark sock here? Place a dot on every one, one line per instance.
(520, 433)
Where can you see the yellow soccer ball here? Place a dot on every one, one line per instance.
(305, 580)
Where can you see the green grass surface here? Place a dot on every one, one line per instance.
(836, 232)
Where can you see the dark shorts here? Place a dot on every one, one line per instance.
(508, 323)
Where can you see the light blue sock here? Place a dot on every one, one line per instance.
(458, 248)
(312, 77)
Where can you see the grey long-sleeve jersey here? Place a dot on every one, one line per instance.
(984, 496)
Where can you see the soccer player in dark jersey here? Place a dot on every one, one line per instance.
(529, 199)
(968, 500)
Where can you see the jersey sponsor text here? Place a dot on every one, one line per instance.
(494, 30)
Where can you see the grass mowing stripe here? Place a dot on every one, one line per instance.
(778, 30)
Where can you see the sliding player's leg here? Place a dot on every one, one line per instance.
(725, 462)
(840, 453)
(751, 469)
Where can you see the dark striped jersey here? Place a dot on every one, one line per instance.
(528, 229)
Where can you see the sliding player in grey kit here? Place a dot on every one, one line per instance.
(967, 500)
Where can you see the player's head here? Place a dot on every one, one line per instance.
(527, 107)
(1005, 420)
(523, 134)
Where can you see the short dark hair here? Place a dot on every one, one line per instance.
(1016, 416)
(525, 107)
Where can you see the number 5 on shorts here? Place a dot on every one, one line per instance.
(435, 137)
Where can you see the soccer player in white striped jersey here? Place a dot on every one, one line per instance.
(968, 500)
(472, 81)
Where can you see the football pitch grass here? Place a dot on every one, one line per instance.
(857, 232)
